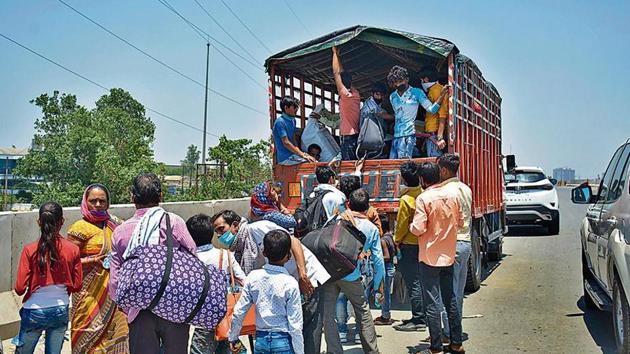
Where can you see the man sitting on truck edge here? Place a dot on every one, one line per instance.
(436, 222)
(405, 101)
(287, 153)
(434, 124)
(449, 165)
(407, 243)
(349, 108)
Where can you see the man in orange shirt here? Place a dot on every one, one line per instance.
(434, 123)
(349, 108)
(437, 218)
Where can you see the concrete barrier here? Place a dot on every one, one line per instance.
(20, 228)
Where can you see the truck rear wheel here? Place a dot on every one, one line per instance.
(473, 279)
(495, 249)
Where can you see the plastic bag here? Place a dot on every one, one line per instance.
(317, 133)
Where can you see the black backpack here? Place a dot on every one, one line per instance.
(311, 215)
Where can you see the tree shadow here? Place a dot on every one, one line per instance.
(600, 327)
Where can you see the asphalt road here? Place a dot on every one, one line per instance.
(530, 302)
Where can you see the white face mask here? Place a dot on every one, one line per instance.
(427, 85)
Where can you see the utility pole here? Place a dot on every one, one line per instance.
(6, 182)
(205, 111)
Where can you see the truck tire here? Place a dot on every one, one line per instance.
(473, 279)
(495, 249)
(586, 275)
(621, 319)
(553, 227)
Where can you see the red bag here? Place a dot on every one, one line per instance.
(222, 330)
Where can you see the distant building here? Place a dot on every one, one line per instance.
(564, 174)
(12, 187)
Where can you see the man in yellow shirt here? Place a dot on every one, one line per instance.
(434, 123)
(408, 245)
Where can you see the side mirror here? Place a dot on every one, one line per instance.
(553, 181)
(582, 194)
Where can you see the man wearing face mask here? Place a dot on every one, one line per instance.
(405, 101)
(374, 106)
(434, 123)
(246, 240)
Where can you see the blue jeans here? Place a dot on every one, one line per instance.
(390, 270)
(52, 320)
(341, 313)
(460, 272)
(409, 267)
(432, 148)
(273, 343)
(292, 160)
(349, 147)
(402, 148)
(437, 288)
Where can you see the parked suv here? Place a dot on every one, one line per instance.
(531, 199)
(605, 237)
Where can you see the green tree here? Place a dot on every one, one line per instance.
(189, 164)
(75, 146)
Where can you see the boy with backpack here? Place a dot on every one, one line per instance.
(323, 204)
(276, 296)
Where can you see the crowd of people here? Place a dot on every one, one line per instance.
(394, 106)
(292, 294)
(260, 256)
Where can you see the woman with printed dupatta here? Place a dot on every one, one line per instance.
(98, 325)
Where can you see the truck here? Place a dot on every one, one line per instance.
(473, 125)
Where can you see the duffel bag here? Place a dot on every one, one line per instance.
(173, 284)
(337, 246)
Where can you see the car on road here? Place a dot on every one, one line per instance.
(531, 199)
(605, 238)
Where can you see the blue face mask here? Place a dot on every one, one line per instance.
(227, 238)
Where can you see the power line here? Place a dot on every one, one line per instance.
(224, 30)
(96, 83)
(296, 15)
(158, 60)
(246, 27)
(199, 31)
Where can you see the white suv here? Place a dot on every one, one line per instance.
(531, 199)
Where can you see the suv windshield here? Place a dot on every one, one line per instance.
(527, 177)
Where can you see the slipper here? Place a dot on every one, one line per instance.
(448, 349)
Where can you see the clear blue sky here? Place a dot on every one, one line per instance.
(560, 66)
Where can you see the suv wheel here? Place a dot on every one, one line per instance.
(621, 320)
(586, 274)
(554, 225)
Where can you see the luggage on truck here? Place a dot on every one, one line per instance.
(173, 284)
(337, 246)
(316, 132)
(370, 142)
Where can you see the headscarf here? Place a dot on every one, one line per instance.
(261, 202)
(94, 216)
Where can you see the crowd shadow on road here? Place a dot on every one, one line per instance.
(600, 327)
(527, 231)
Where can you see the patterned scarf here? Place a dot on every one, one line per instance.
(261, 202)
(246, 250)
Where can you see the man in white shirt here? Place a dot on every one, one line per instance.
(308, 268)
